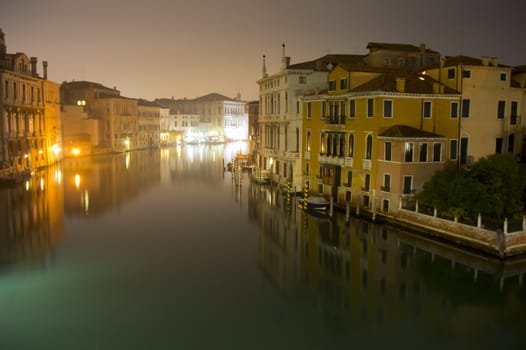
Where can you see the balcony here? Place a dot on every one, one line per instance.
(365, 189)
(385, 188)
(306, 155)
(409, 191)
(366, 164)
(332, 160)
(348, 161)
(292, 155)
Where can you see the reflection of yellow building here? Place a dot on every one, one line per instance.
(362, 275)
(376, 135)
(32, 218)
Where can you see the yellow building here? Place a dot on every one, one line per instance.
(376, 135)
(29, 115)
(491, 107)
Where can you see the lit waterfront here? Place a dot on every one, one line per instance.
(161, 249)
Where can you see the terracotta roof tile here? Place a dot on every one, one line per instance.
(398, 47)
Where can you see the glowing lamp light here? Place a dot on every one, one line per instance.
(75, 151)
(77, 181)
(55, 149)
(81, 102)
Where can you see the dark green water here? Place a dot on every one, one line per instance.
(162, 250)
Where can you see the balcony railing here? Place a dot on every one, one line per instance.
(366, 164)
(306, 155)
(348, 161)
(386, 188)
(408, 192)
(330, 159)
(365, 189)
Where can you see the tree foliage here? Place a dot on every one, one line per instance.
(493, 186)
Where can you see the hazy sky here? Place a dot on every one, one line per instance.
(188, 48)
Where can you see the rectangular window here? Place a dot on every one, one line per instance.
(297, 106)
(465, 108)
(501, 106)
(503, 76)
(408, 184)
(349, 178)
(370, 105)
(451, 73)
(466, 74)
(352, 108)
(323, 109)
(408, 156)
(388, 151)
(309, 110)
(387, 183)
(437, 150)
(332, 85)
(426, 109)
(454, 110)
(388, 108)
(453, 144)
(513, 112)
(498, 145)
(343, 84)
(302, 79)
(423, 152)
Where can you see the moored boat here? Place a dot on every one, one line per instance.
(314, 203)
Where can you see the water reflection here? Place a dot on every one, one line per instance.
(363, 275)
(31, 219)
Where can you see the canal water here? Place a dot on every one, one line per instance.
(162, 249)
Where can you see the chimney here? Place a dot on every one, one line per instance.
(494, 61)
(284, 59)
(422, 48)
(485, 61)
(44, 66)
(400, 84)
(34, 66)
(264, 68)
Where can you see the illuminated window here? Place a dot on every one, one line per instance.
(408, 152)
(351, 145)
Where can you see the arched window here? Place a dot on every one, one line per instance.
(342, 146)
(323, 145)
(307, 145)
(335, 139)
(369, 147)
(351, 145)
(329, 144)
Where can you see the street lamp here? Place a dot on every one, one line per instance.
(270, 163)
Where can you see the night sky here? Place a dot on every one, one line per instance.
(188, 48)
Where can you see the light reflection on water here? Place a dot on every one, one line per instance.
(161, 249)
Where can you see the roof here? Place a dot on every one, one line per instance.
(449, 61)
(414, 83)
(399, 47)
(86, 84)
(405, 131)
(322, 63)
(214, 97)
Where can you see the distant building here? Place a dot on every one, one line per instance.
(220, 117)
(396, 55)
(30, 130)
